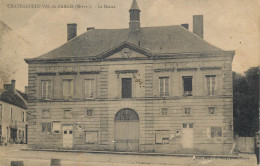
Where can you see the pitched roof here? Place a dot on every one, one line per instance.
(14, 97)
(159, 40)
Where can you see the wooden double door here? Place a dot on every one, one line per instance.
(126, 131)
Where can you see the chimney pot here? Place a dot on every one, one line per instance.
(71, 31)
(185, 26)
(198, 25)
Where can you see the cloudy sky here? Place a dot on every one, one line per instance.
(228, 24)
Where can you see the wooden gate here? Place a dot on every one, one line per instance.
(126, 130)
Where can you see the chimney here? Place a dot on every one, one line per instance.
(198, 25)
(10, 87)
(185, 26)
(71, 31)
(89, 28)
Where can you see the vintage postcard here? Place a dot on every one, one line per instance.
(129, 82)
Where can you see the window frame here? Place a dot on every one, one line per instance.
(70, 96)
(59, 131)
(211, 127)
(132, 83)
(187, 93)
(50, 125)
(209, 92)
(48, 94)
(94, 88)
(165, 91)
(164, 135)
(184, 111)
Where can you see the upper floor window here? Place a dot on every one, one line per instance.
(89, 88)
(164, 86)
(67, 89)
(187, 85)
(126, 87)
(211, 85)
(46, 89)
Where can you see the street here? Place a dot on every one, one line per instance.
(42, 158)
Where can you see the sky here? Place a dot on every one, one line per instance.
(228, 24)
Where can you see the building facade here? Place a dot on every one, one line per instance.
(13, 111)
(146, 89)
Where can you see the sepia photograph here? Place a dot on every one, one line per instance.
(129, 82)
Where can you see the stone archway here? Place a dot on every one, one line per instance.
(126, 130)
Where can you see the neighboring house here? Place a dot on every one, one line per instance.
(153, 89)
(13, 110)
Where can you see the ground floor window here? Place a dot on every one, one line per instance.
(91, 137)
(46, 127)
(216, 132)
(56, 127)
(162, 137)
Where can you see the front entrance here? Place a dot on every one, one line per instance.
(126, 131)
(187, 136)
(68, 136)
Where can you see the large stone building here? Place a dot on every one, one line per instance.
(13, 111)
(147, 89)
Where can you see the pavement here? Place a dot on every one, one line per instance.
(81, 158)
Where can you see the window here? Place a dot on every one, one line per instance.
(216, 131)
(126, 87)
(56, 127)
(211, 85)
(89, 88)
(187, 111)
(67, 114)
(89, 112)
(68, 89)
(46, 89)
(164, 86)
(1, 112)
(46, 113)
(187, 125)
(91, 137)
(162, 137)
(211, 110)
(187, 86)
(164, 111)
(46, 127)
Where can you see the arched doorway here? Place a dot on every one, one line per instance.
(126, 130)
